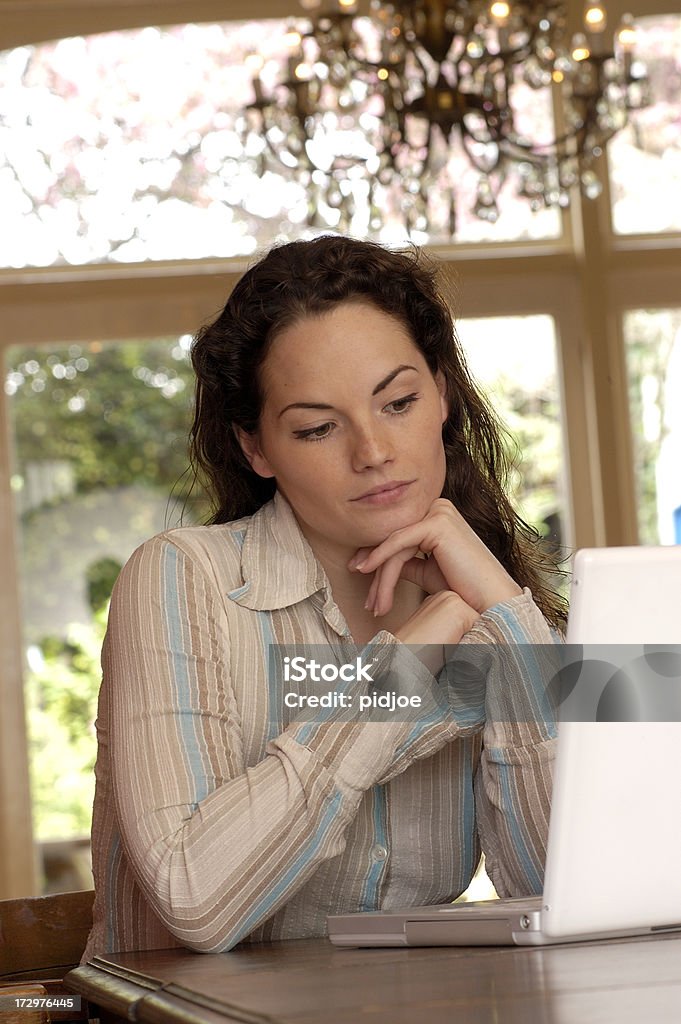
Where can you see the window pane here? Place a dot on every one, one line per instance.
(645, 158)
(514, 360)
(100, 160)
(100, 465)
(653, 352)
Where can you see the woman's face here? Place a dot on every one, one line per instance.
(351, 427)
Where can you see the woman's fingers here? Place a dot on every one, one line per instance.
(359, 557)
(425, 573)
(382, 589)
(422, 572)
(408, 537)
(459, 559)
(443, 618)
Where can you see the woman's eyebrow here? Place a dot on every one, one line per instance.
(379, 387)
(391, 377)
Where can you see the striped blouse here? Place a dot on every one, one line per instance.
(217, 821)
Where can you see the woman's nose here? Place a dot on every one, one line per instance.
(371, 447)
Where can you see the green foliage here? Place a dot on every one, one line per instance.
(113, 415)
(61, 701)
(650, 336)
(117, 413)
(535, 425)
(101, 577)
(535, 446)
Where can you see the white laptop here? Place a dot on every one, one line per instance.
(615, 831)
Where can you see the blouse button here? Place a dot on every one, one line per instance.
(379, 852)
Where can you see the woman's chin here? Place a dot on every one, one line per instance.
(387, 521)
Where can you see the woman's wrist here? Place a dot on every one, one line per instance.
(495, 593)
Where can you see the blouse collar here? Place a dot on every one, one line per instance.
(278, 566)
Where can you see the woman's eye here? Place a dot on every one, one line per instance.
(314, 433)
(401, 405)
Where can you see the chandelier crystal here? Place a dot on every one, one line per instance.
(365, 104)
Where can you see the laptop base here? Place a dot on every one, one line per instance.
(505, 922)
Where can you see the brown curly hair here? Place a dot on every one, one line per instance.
(309, 278)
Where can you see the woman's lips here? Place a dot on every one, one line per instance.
(387, 496)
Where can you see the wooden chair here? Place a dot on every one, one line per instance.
(41, 939)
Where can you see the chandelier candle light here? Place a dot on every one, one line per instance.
(370, 104)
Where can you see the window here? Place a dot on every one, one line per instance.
(515, 361)
(653, 350)
(102, 161)
(645, 158)
(100, 465)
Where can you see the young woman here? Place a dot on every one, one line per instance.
(357, 477)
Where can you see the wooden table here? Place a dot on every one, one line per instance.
(628, 981)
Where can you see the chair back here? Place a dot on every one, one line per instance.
(41, 939)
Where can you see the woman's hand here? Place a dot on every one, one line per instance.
(457, 560)
(440, 621)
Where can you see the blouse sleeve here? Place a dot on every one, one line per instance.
(514, 779)
(217, 846)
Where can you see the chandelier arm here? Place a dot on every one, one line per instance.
(537, 149)
(417, 54)
(467, 138)
(263, 132)
(279, 153)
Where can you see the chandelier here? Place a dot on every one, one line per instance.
(370, 106)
